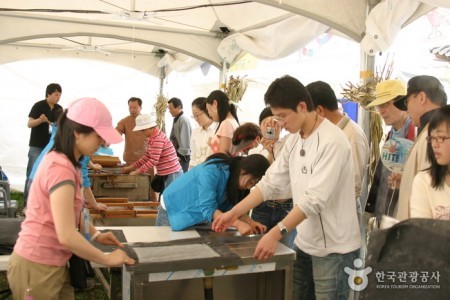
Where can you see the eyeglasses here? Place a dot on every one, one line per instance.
(196, 116)
(406, 102)
(410, 94)
(383, 106)
(437, 139)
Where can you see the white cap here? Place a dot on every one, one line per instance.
(145, 121)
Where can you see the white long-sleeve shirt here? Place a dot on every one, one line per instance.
(360, 150)
(322, 185)
(428, 202)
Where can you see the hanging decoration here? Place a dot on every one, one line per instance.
(160, 109)
(235, 88)
(363, 94)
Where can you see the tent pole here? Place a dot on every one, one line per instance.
(160, 101)
(367, 64)
(162, 76)
(366, 74)
(223, 75)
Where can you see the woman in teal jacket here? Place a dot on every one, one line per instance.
(211, 188)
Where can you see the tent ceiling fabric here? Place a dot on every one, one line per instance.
(139, 33)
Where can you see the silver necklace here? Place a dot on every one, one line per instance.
(302, 151)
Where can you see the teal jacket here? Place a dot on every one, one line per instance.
(193, 198)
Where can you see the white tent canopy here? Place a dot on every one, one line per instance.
(181, 34)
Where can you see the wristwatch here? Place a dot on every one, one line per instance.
(282, 228)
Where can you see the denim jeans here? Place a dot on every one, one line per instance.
(270, 213)
(33, 154)
(162, 219)
(322, 278)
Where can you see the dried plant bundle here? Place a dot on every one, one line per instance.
(363, 94)
(235, 88)
(160, 109)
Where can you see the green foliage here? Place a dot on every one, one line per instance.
(17, 195)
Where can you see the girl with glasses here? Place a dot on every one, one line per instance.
(430, 197)
(202, 134)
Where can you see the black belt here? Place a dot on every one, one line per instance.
(277, 204)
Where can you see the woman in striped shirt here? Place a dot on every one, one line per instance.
(160, 152)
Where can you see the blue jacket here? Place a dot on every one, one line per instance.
(193, 198)
(84, 162)
(44, 151)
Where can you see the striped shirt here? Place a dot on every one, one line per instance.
(160, 153)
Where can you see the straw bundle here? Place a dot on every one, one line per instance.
(235, 88)
(363, 94)
(160, 109)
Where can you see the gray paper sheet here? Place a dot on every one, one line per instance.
(173, 253)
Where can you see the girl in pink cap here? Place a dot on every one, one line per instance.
(49, 234)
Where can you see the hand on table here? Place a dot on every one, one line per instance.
(100, 206)
(222, 222)
(126, 170)
(96, 167)
(266, 246)
(257, 227)
(118, 258)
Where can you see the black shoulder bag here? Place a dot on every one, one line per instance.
(157, 183)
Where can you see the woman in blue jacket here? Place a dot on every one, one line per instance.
(211, 188)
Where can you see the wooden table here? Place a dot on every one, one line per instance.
(174, 265)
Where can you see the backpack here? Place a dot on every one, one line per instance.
(409, 261)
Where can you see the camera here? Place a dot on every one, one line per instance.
(270, 133)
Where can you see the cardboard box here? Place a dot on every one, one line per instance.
(105, 160)
(135, 188)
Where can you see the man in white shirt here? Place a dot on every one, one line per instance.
(316, 163)
(326, 105)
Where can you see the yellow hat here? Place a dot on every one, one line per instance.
(388, 90)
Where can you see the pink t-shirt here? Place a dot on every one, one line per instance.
(37, 240)
(226, 129)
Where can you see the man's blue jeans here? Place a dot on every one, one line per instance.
(269, 213)
(322, 278)
(163, 219)
(33, 154)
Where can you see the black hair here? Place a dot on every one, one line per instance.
(246, 132)
(287, 92)
(65, 138)
(135, 99)
(431, 86)
(322, 94)
(200, 103)
(266, 112)
(175, 102)
(255, 165)
(223, 106)
(437, 171)
(51, 88)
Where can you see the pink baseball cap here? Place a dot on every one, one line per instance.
(93, 113)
